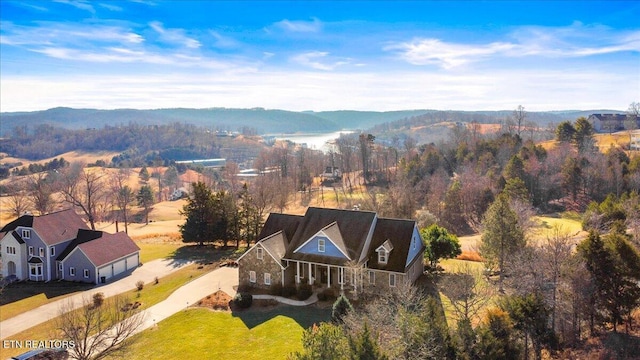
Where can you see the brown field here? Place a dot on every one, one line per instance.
(72, 156)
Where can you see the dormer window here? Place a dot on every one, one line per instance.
(259, 253)
(321, 245)
(383, 252)
(26, 234)
(382, 256)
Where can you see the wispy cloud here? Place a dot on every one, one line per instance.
(572, 41)
(174, 36)
(313, 59)
(79, 4)
(223, 41)
(300, 26)
(110, 7)
(54, 33)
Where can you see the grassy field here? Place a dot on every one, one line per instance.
(251, 334)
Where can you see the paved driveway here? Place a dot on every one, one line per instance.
(146, 273)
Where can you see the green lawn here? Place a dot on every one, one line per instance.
(150, 295)
(153, 251)
(251, 334)
(22, 297)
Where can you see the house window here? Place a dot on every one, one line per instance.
(30, 250)
(382, 256)
(11, 250)
(53, 251)
(72, 271)
(267, 279)
(86, 273)
(36, 270)
(41, 252)
(252, 276)
(321, 245)
(60, 269)
(392, 280)
(259, 254)
(372, 277)
(26, 234)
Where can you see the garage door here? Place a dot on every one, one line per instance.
(105, 272)
(119, 267)
(132, 262)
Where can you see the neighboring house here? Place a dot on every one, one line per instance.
(613, 122)
(60, 246)
(343, 249)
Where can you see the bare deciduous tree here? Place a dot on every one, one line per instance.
(519, 115)
(41, 188)
(467, 291)
(83, 188)
(122, 194)
(99, 331)
(18, 201)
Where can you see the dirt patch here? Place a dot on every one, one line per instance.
(219, 300)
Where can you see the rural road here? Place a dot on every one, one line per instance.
(147, 273)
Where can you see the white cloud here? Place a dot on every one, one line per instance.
(222, 41)
(50, 34)
(79, 4)
(111, 7)
(314, 59)
(446, 55)
(300, 26)
(574, 41)
(174, 36)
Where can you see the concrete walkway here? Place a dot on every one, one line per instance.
(145, 273)
(311, 300)
(223, 278)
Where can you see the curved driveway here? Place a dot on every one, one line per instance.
(147, 273)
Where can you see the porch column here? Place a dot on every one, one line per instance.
(297, 272)
(310, 278)
(341, 277)
(328, 276)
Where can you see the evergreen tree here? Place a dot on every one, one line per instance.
(440, 244)
(364, 347)
(565, 131)
(144, 174)
(199, 213)
(502, 236)
(145, 199)
(583, 135)
(323, 342)
(341, 307)
(531, 316)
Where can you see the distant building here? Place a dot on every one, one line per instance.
(208, 163)
(612, 122)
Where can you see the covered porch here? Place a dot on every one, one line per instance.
(330, 276)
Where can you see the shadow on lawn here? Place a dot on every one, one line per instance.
(305, 316)
(26, 289)
(203, 255)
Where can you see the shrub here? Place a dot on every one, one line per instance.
(304, 291)
(289, 290)
(139, 285)
(98, 299)
(275, 289)
(156, 280)
(326, 294)
(340, 308)
(243, 300)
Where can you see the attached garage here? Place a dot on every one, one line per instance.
(98, 257)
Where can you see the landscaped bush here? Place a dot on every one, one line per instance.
(289, 290)
(243, 300)
(140, 285)
(326, 294)
(275, 289)
(98, 299)
(304, 291)
(340, 308)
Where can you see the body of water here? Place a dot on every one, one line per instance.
(315, 141)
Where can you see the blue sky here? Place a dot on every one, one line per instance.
(459, 55)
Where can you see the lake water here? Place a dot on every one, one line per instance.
(314, 141)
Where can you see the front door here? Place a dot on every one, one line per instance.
(323, 275)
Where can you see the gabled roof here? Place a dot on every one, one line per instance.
(53, 228)
(101, 248)
(397, 233)
(275, 245)
(280, 222)
(331, 231)
(356, 225)
(387, 246)
(17, 237)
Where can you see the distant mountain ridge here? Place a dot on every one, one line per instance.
(262, 120)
